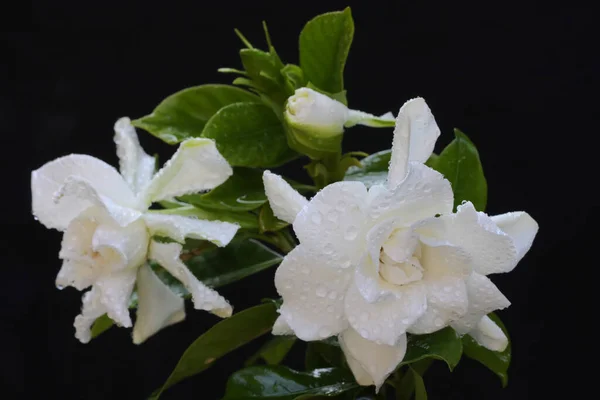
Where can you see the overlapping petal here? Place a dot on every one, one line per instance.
(422, 194)
(489, 335)
(491, 249)
(178, 227)
(415, 135)
(484, 297)
(47, 180)
(332, 224)
(371, 363)
(313, 294)
(520, 227)
(285, 201)
(158, 307)
(388, 319)
(197, 165)
(204, 298)
(135, 165)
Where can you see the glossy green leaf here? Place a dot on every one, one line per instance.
(324, 46)
(273, 351)
(222, 338)
(444, 345)
(185, 113)
(373, 169)
(244, 219)
(249, 135)
(219, 266)
(497, 362)
(243, 191)
(324, 354)
(420, 391)
(267, 221)
(101, 325)
(459, 162)
(293, 77)
(281, 383)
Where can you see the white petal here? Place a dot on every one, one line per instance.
(491, 249)
(332, 224)
(387, 319)
(281, 327)
(414, 138)
(520, 227)
(441, 259)
(48, 179)
(285, 201)
(110, 294)
(158, 306)
(178, 227)
(135, 165)
(313, 294)
(447, 301)
(489, 335)
(197, 165)
(423, 194)
(370, 362)
(94, 244)
(204, 298)
(484, 297)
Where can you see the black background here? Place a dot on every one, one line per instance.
(519, 80)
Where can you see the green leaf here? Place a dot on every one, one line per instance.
(264, 70)
(249, 135)
(243, 191)
(219, 266)
(281, 383)
(185, 113)
(373, 169)
(274, 351)
(324, 46)
(324, 354)
(222, 338)
(497, 362)
(444, 345)
(268, 222)
(420, 392)
(459, 162)
(101, 325)
(293, 77)
(244, 219)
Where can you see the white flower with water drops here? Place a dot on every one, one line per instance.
(375, 264)
(108, 227)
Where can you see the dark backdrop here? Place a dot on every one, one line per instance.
(514, 79)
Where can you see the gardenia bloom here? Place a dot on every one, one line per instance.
(108, 228)
(375, 264)
(312, 111)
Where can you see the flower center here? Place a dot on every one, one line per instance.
(399, 262)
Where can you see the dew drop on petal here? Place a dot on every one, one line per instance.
(333, 295)
(332, 216)
(364, 333)
(351, 233)
(438, 322)
(328, 249)
(316, 218)
(321, 291)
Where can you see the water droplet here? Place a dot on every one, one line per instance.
(60, 287)
(438, 322)
(180, 272)
(316, 218)
(406, 321)
(447, 289)
(364, 333)
(332, 216)
(305, 271)
(324, 332)
(345, 264)
(288, 284)
(333, 295)
(321, 291)
(328, 249)
(351, 233)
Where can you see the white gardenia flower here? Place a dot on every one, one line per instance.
(312, 111)
(375, 264)
(108, 227)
